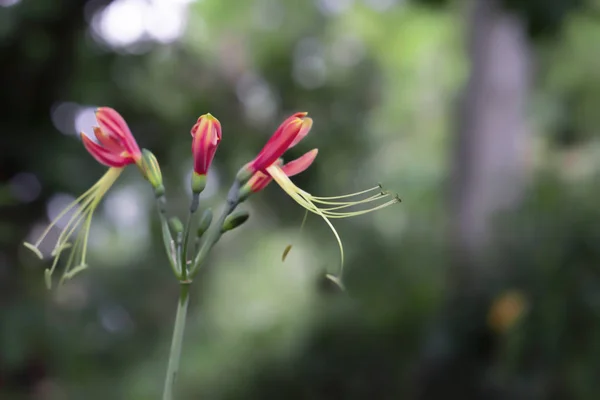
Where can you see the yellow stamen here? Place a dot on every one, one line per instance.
(292, 190)
(345, 203)
(348, 195)
(34, 247)
(309, 202)
(81, 219)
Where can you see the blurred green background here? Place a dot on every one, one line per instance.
(484, 283)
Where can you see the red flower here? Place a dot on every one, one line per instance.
(117, 146)
(260, 180)
(207, 135)
(289, 133)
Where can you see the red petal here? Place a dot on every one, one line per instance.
(108, 142)
(306, 125)
(281, 140)
(113, 124)
(259, 181)
(104, 156)
(300, 164)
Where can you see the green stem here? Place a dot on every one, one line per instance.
(176, 343)
(214, 233)
(167, 238)
(186, 236)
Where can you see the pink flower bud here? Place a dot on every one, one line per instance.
(207, 135)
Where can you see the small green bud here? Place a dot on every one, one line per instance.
(244, 193)
(151, 171)
(205, 221)
(198, 183)
(243, 175)
(234, 220)
(176, 225)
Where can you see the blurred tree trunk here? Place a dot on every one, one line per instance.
(489, 161)
(488, 176)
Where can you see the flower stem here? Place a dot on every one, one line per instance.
(166, 235)
(214, 234)
(176, 342)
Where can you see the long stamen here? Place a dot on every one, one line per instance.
(73, 224)
(355, 203)
(77, 252)
(85, 197)
(383, 195)
(49, 272)
(346, 203)
(308, 201)
(102, 189)
(73, 255)
(86, 228)
(88, 202)
(65, 211)
(361, 212)
(378, 187)
(88, 206)
(286, 184)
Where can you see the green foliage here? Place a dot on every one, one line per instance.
(380, 86)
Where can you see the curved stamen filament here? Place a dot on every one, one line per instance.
(82, 220)
(88, 223)
(357, 213)
(90, 192)
(342, 203)
(344, 196)
(73, 224)
(308, 201)
(286, 184)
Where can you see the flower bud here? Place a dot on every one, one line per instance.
(244, 174)
(234, 220)
(176, 225)
(151, 171)
(206, 135)
(205, 221)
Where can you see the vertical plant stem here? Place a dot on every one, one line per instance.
(184, 250)
(176, 342)
(186, 236)
(167, 238)
(214, 233)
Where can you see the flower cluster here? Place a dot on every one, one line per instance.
(268, 166)
(116, 148)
